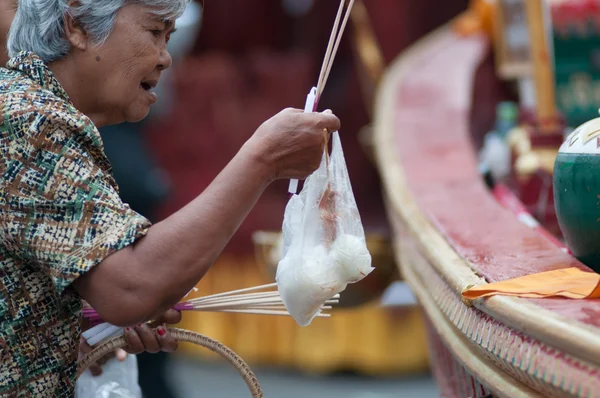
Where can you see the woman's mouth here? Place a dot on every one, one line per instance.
(148, 86)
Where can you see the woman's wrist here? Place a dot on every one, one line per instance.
(258, 161)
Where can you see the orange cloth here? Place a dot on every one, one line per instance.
(571, 283)
(479, 18)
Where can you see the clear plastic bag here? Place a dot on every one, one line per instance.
(324, 245)
(118, 380)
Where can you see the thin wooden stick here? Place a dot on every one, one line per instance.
(240, 297)
(249, 289)
(266, 307)
(251, 307)
(335, 49)
(250, 300)
(243, 299)
(235, 300)
(263, 312)
(238, 303)
(235, 297)
(332, 39)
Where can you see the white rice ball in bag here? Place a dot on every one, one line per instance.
(324, 245)
(352, 257)
(306, 281)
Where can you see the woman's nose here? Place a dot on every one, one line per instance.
(165, 61)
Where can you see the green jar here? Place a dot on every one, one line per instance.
(577, 192)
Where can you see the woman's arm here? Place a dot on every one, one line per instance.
(143, 280)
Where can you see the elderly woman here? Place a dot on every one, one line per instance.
(65, 234)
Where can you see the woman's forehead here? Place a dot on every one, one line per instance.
(145, 13)
(169, 23)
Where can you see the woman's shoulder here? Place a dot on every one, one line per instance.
(24, 103)
(19, 92)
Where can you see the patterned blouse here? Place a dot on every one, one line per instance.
(60, 215)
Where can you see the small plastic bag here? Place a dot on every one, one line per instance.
(118, 380)
(324, 246)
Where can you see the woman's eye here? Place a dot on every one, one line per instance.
(156, 32)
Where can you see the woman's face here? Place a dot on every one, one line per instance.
(126, 68)
(7, 13)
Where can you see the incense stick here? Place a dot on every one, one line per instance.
(266, 303)
(337, 45)
(238, 296)
(247, 300)
(263, 312)
(249, 289)
(242, 301)
(330, 45)
(336, 36)
(314, 96)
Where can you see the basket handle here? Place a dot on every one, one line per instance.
(183, 336)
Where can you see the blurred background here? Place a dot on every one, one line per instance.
(237, 63)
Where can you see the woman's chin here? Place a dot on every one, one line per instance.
(138, 114)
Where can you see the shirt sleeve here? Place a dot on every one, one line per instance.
(61, 211)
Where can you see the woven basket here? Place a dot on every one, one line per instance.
(182, 336)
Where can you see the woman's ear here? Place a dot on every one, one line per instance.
(75, 33)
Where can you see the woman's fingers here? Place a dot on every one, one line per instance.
(143, 338)
(84, 349)
(148, 338)
(95, 369)
(165, 339)
(291, 143)
(153, 337)
(326, 120)
(170, 317)
(134, 343)
(121, 355)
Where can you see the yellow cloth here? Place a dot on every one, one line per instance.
(571, 283)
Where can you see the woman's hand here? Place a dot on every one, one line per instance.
(291, 143)
(153, 337)
(96, 368)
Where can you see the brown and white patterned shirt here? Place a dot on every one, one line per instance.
(60, 215)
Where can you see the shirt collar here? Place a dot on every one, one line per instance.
(32, 66)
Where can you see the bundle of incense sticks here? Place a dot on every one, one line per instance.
(243, 301)
(314, 96)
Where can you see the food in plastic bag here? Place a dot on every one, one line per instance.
(324, 246)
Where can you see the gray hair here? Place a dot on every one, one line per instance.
(39, 24)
